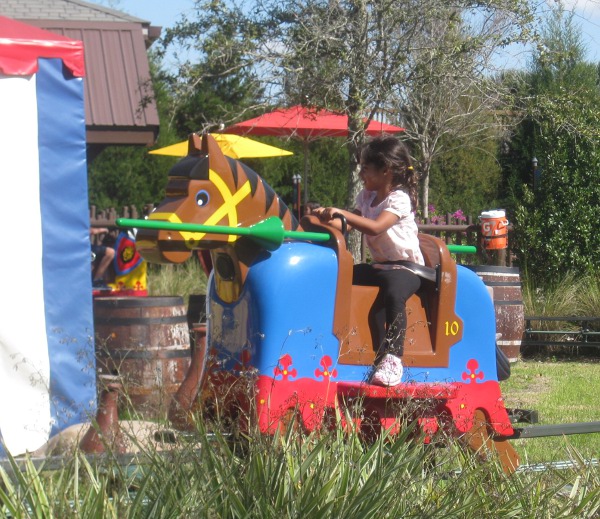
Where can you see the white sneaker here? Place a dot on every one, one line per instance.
(388, 372)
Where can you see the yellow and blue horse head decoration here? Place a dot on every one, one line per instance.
(206, 187)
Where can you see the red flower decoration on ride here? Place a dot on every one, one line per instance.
(326, 372)
(283, 367)
(472, 366)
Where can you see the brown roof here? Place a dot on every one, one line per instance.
(119, 100)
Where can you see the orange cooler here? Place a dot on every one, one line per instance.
(494, 229)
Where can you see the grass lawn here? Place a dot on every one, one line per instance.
(562, 391)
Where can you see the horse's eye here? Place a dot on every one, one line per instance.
(202, 198)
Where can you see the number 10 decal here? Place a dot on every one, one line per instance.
(452, 328)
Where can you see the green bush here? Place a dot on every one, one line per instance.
(558, 211)
(556, 224)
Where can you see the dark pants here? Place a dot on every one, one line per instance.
(397, 285)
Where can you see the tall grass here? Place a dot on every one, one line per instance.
(331, 474)
(560, 298)
(179, 279)
(570, 295)
(589, 300)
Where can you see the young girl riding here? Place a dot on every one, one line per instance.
(385, 214)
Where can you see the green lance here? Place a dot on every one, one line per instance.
(269, 233)
(462, 249)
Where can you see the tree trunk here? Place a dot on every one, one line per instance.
(356, 130)
(425, 194)
(354, 237)
(425, 166)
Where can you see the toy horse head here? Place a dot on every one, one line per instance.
(208, 188)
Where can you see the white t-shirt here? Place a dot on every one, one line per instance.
(400, 241)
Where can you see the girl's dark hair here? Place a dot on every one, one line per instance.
(388, 151)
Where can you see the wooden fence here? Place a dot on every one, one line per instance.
(108, 217)
(448, 228)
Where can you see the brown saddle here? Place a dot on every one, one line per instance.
(432, 325)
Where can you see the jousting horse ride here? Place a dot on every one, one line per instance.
(289, 335)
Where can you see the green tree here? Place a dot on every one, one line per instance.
(126, 175)
(468, 178)
(557, 219)
(214, 84)
(298, 48)
(328, 170)
(449, 99)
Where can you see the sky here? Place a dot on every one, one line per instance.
(160, 12)
(587, 15)
(166, 12)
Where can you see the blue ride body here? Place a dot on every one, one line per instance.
(287, 307)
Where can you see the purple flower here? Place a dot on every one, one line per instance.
(460, 216)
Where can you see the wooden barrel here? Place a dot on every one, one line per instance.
(146, 341)
(508, 305)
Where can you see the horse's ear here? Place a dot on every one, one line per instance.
(218, 162)
(194, 144)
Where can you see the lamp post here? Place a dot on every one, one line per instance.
(536, 174)
(297, 179)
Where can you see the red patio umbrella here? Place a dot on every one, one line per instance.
(306, 124)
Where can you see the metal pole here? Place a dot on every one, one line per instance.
(306, 151)
(297, 179)
(299, 198)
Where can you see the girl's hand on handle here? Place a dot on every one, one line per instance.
(355, 221)
(326, 213)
